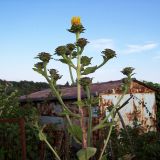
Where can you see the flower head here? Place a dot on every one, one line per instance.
(128, 71)
(61, 50)
(54, 74)
(85, 81)
(85, 61)
(82, 42)
(70, 47)
(76, 26)
(44, 57)
(108, 54)
(39, 65)
(76, 21)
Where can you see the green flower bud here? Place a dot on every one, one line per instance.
(85, 61)
(86, 81)
(76, 28)
(54, 74)
(82, 42)
(70, 47)
(39, 65)
(61, 50)
(128, 71)
(109, 54)
(74, 54)
(45, 57)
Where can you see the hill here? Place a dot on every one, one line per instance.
(24, 87)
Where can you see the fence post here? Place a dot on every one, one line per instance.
(22, 137)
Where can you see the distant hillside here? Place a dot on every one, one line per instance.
(25, 87)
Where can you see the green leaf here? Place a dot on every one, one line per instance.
(66, 61)
(76, 131)
(105, 58)
(89, 70)
(86, 154)
(94, 101)
(104, 157)
(65, 112)
(85, 61)
(37, 70)
(100, 126)
(79, 103)
(42, 136)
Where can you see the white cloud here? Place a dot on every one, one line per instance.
(100, 44)
(140, 47)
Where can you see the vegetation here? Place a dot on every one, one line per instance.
(144, 146)
(156, 86)
(9, 132)
(25, 87)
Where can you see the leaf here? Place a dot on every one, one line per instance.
(105, 58)
(76, 131)
(89, 70)
(41, 135)
(94, 101)
(86, 154)
(104, 157)
(65, 112)
(100, 126)
(79, 103)
(85, 61)
(37, 70)
(66, 61)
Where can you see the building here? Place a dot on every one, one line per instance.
(139, 103)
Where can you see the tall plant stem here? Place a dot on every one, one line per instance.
(70, 71)
(71, 75)
(125, 128)
(89, 134)
(106, 142)
(82, 122)
(113, 109)
(78, 70)
(64, 107)
(56, 93)
(54, 152)
(112, 113)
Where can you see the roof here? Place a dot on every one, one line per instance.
(70, 92)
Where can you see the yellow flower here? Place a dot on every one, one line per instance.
(76, 21)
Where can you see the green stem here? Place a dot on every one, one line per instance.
(113, 115)
(71, 74)
(112, 111)
(106, 142)
(82, 123)
(71, 64)
(56, 93)
(125, 128)
(78, 69)
(103, 63)
(89, 134)
(42, 137)
(54, 152)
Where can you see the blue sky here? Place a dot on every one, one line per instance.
(131, 28)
